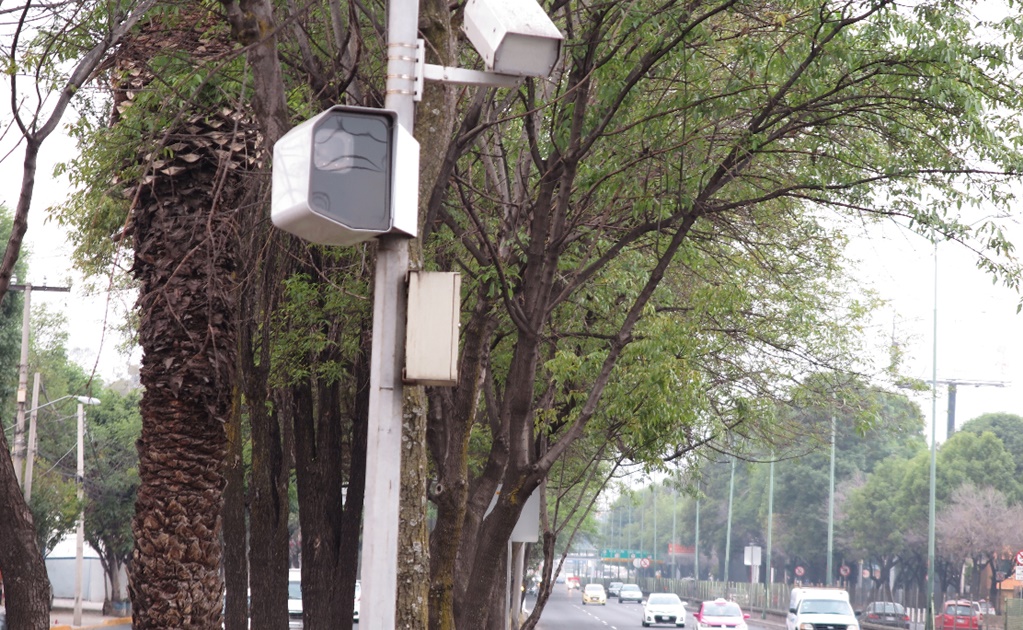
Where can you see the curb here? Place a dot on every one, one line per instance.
(109, 622)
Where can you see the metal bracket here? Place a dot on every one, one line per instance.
(460, 76)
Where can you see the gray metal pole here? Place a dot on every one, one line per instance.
(19, 427)
(770, 522)
(31, 452)
(674, 515)
(831, 507)
(80, 534)
(655, 527)
(696, 542)
(383, 476)
(728, 528)
(929, 576)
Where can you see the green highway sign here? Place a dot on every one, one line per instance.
(624, 554)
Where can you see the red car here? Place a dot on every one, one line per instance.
(958, 614)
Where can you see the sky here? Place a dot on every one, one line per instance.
(978, 336)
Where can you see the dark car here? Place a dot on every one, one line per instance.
(614, 588)
(884, 614)
(630, 593)
(958, 615)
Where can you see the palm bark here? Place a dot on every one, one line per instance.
(184, 229)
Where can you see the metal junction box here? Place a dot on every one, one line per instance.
(431, 341)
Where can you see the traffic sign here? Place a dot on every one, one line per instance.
(866, 574)
(800, 571)
(1019, 573)
(645, 562)
(843, 570)
(1019, 557)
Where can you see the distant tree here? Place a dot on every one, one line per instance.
(978, 524)
(111, 483)
(1009, 429)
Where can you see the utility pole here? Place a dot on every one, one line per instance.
(20, 445)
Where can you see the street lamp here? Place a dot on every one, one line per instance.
(29, 460)
(80, 479)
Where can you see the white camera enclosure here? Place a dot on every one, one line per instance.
(346, 175)
(513, 36)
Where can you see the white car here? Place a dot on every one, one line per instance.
(720, 614)
(664, 608)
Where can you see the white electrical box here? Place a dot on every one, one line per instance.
(345, 176)
(431, 339)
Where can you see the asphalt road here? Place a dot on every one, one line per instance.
(565, 612)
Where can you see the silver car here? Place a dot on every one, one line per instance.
(630, 593)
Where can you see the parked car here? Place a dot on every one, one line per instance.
(986, 608)
(594, 594)
(720, 613)
(664, 608)
(885, 614)
(613, 588)
(630, 593)
(958, 614)
(820, 607)
(294, 598)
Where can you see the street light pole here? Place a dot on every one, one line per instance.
(770, 522)
(728, 527)
(80, 480)
(831, 507)
(929, 577)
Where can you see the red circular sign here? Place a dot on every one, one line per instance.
(1019, 557)
(645, 562)
(844, 570)
(800, 571)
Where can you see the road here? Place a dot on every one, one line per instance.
(566, 612)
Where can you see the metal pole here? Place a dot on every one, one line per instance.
(929, 577)
(770, 522)
(696, 542)
(383, 476)
(831, 507)
(80, 538)
(655, 528)
(30, 458)
(19, 427)
(674, 515)
(728, 528)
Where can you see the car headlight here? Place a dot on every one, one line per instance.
(806, 626)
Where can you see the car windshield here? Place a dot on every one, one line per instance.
(722, 609)
(825, 607)
(664, 599)
(888, 607)
(959, 610)
(294, 590)
(630, 587)
(594, 588)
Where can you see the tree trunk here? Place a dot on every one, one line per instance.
(185, 262)
(236, 538)
(25, 583)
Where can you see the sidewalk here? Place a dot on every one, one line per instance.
(62, 615)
